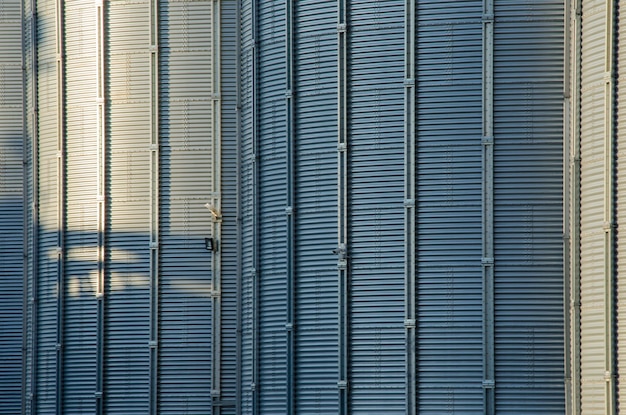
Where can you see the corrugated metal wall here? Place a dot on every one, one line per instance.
(12, 238)
(128, 146)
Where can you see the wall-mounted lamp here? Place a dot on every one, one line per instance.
(216, 214)
(210, 244)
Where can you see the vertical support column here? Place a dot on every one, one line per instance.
(572, 218)
(216, 209)
(154, 207)
(32, 119)
(609, 220)
(60, 185)
(487, 228)
(256, 211)
(290, 208)
(409, 207)
(101, 206)
(342, 207)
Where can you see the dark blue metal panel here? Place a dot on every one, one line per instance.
(528, 205)
(449, 208)
(316, 207)
(376, 206)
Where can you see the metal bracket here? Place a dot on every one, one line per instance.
(489, 384)
(341, 28)
(409, 323)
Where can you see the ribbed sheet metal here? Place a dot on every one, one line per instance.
(620, 209)
(272, 202)
(246, 206)
(185, 187)
(47, 194)
(230, 243)
(11, 208)
(316, 206)
(81, 258)
(376, 206)
(449, 209)
(128, 199)
(528, 206)
(592, 205)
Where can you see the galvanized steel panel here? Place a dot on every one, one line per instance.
(316, 207)
(449, 208)
(528, 206)
(128, 199)
(185, 187)
(376, 194)
(81, 165)
(620, 212)
(12, 242)
(592, 205)
(272, 203)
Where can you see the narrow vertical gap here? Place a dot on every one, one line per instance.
(574, 203)
(487, 220)
(216, 209)
(256, 210)
(410, 206)
(60, 220)
(609, 220)
(290, 326)
(342, 207)
(101, 207)
(153, 146)
(31, 275)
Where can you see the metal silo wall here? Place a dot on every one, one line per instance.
(528, 206)
(11, 208)
(376, 206)
(315, 206)
(596, 205)
(449, 207)
(134, 131)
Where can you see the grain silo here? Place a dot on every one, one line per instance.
(292, 207)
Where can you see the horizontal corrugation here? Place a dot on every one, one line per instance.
(80, 276)
(449, 177)
(230, 243)
(620, 210)
(592, 204)
(128, 208)
(376, 192)
(528, 71)
(47, 294)
(185, 186)
(272, 202)
(11, 209)
(316, 207)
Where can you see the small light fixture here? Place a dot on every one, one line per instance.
(210, 244)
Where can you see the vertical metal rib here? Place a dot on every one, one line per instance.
(342, 206)
(154, 206)
(216, 209)
(30, 298)
(101, 207)
(487, 231)
(409, 207)
(290, 208)
(25, 198)
(60, 184)
(572, 154)
(255, 215)
(609, 220)
(238, 230)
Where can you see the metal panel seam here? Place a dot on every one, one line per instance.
(216, 210)
(25, 197)
(410, 207)
(487, 231)
(290, 208)
(60, 184)
(609, 220)
(154, 207)
(342, 207)
(101, 207)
